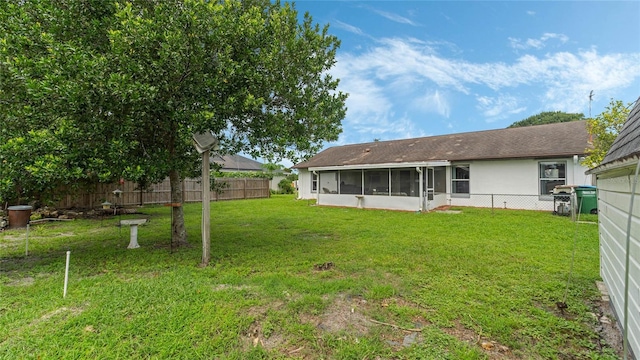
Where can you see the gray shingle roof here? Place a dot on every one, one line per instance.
(237, 163)
(627, 143)
(541, 141)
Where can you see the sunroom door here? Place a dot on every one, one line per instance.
(427, 186)
(429, 183)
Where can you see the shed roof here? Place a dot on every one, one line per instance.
(627, 144)
(237, 163)
(541, 141)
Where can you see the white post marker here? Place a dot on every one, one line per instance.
(66, 275)
(206, 209)
(26, 249)
(204, 143)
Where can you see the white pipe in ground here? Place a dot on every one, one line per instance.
(26, 249)
(66, 275)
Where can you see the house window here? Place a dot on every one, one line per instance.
(314, 182)
(460, 179)
(551, 174)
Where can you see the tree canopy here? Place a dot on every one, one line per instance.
(115, 89)
(604, 129)
(547, 117)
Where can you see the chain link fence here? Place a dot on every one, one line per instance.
(560, 204)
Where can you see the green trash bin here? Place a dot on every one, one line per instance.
(587, 199)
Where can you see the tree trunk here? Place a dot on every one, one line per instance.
(178, 230)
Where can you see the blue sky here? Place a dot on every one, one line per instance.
(422, 68)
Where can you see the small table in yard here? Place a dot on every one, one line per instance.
(133, 224)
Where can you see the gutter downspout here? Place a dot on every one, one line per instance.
(625, 331)
(421, 188)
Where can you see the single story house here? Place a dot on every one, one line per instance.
(511, 168)
(239, 163)
(619, 223)
(230, 163)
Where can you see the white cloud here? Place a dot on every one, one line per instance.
(531, 12)
(540, 43)
(433, 102)
(350, 28)
(500, 107)
(561, 37)
(398, 76)
(395, 17)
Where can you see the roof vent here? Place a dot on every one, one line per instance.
(367, 150)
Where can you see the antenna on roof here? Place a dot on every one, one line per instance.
(590, 100)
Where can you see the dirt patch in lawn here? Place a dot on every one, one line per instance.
(344, 314)
(60, 313)
(350, 316)
(492, 348)
(25, 281)
(255, 336)
(610, 334)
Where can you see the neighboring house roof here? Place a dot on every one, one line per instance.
(541, 141)
(237, 163)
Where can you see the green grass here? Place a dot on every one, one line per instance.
(455, 280)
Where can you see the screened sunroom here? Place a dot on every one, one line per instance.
(419, 186)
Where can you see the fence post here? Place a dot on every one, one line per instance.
(245, 188)
(491, 203)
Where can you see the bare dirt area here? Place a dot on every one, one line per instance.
(492, 348)
(349, 316)
(344, 314)
(607, 328)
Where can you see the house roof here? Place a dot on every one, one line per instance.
(237, 163)
(541, 141)
(627, 144)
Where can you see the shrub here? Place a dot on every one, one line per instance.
(285, 186)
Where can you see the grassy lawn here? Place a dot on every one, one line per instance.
(292, 280)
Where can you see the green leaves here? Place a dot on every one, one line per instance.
(548, 117)
(604, 129)
(116, 89)
(33, 166)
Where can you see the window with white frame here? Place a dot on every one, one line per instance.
(460, 179)
(551, 174)
(314, 182)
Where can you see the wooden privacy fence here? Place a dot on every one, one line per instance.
(232, 189)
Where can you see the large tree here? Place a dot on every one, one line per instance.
(603, 131)
(547, 117)
(124, 86)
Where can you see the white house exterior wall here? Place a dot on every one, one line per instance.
(273, 183)
(518, 176)
(614, 195)
(504, 177)
(304, 184)
(487, 177)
